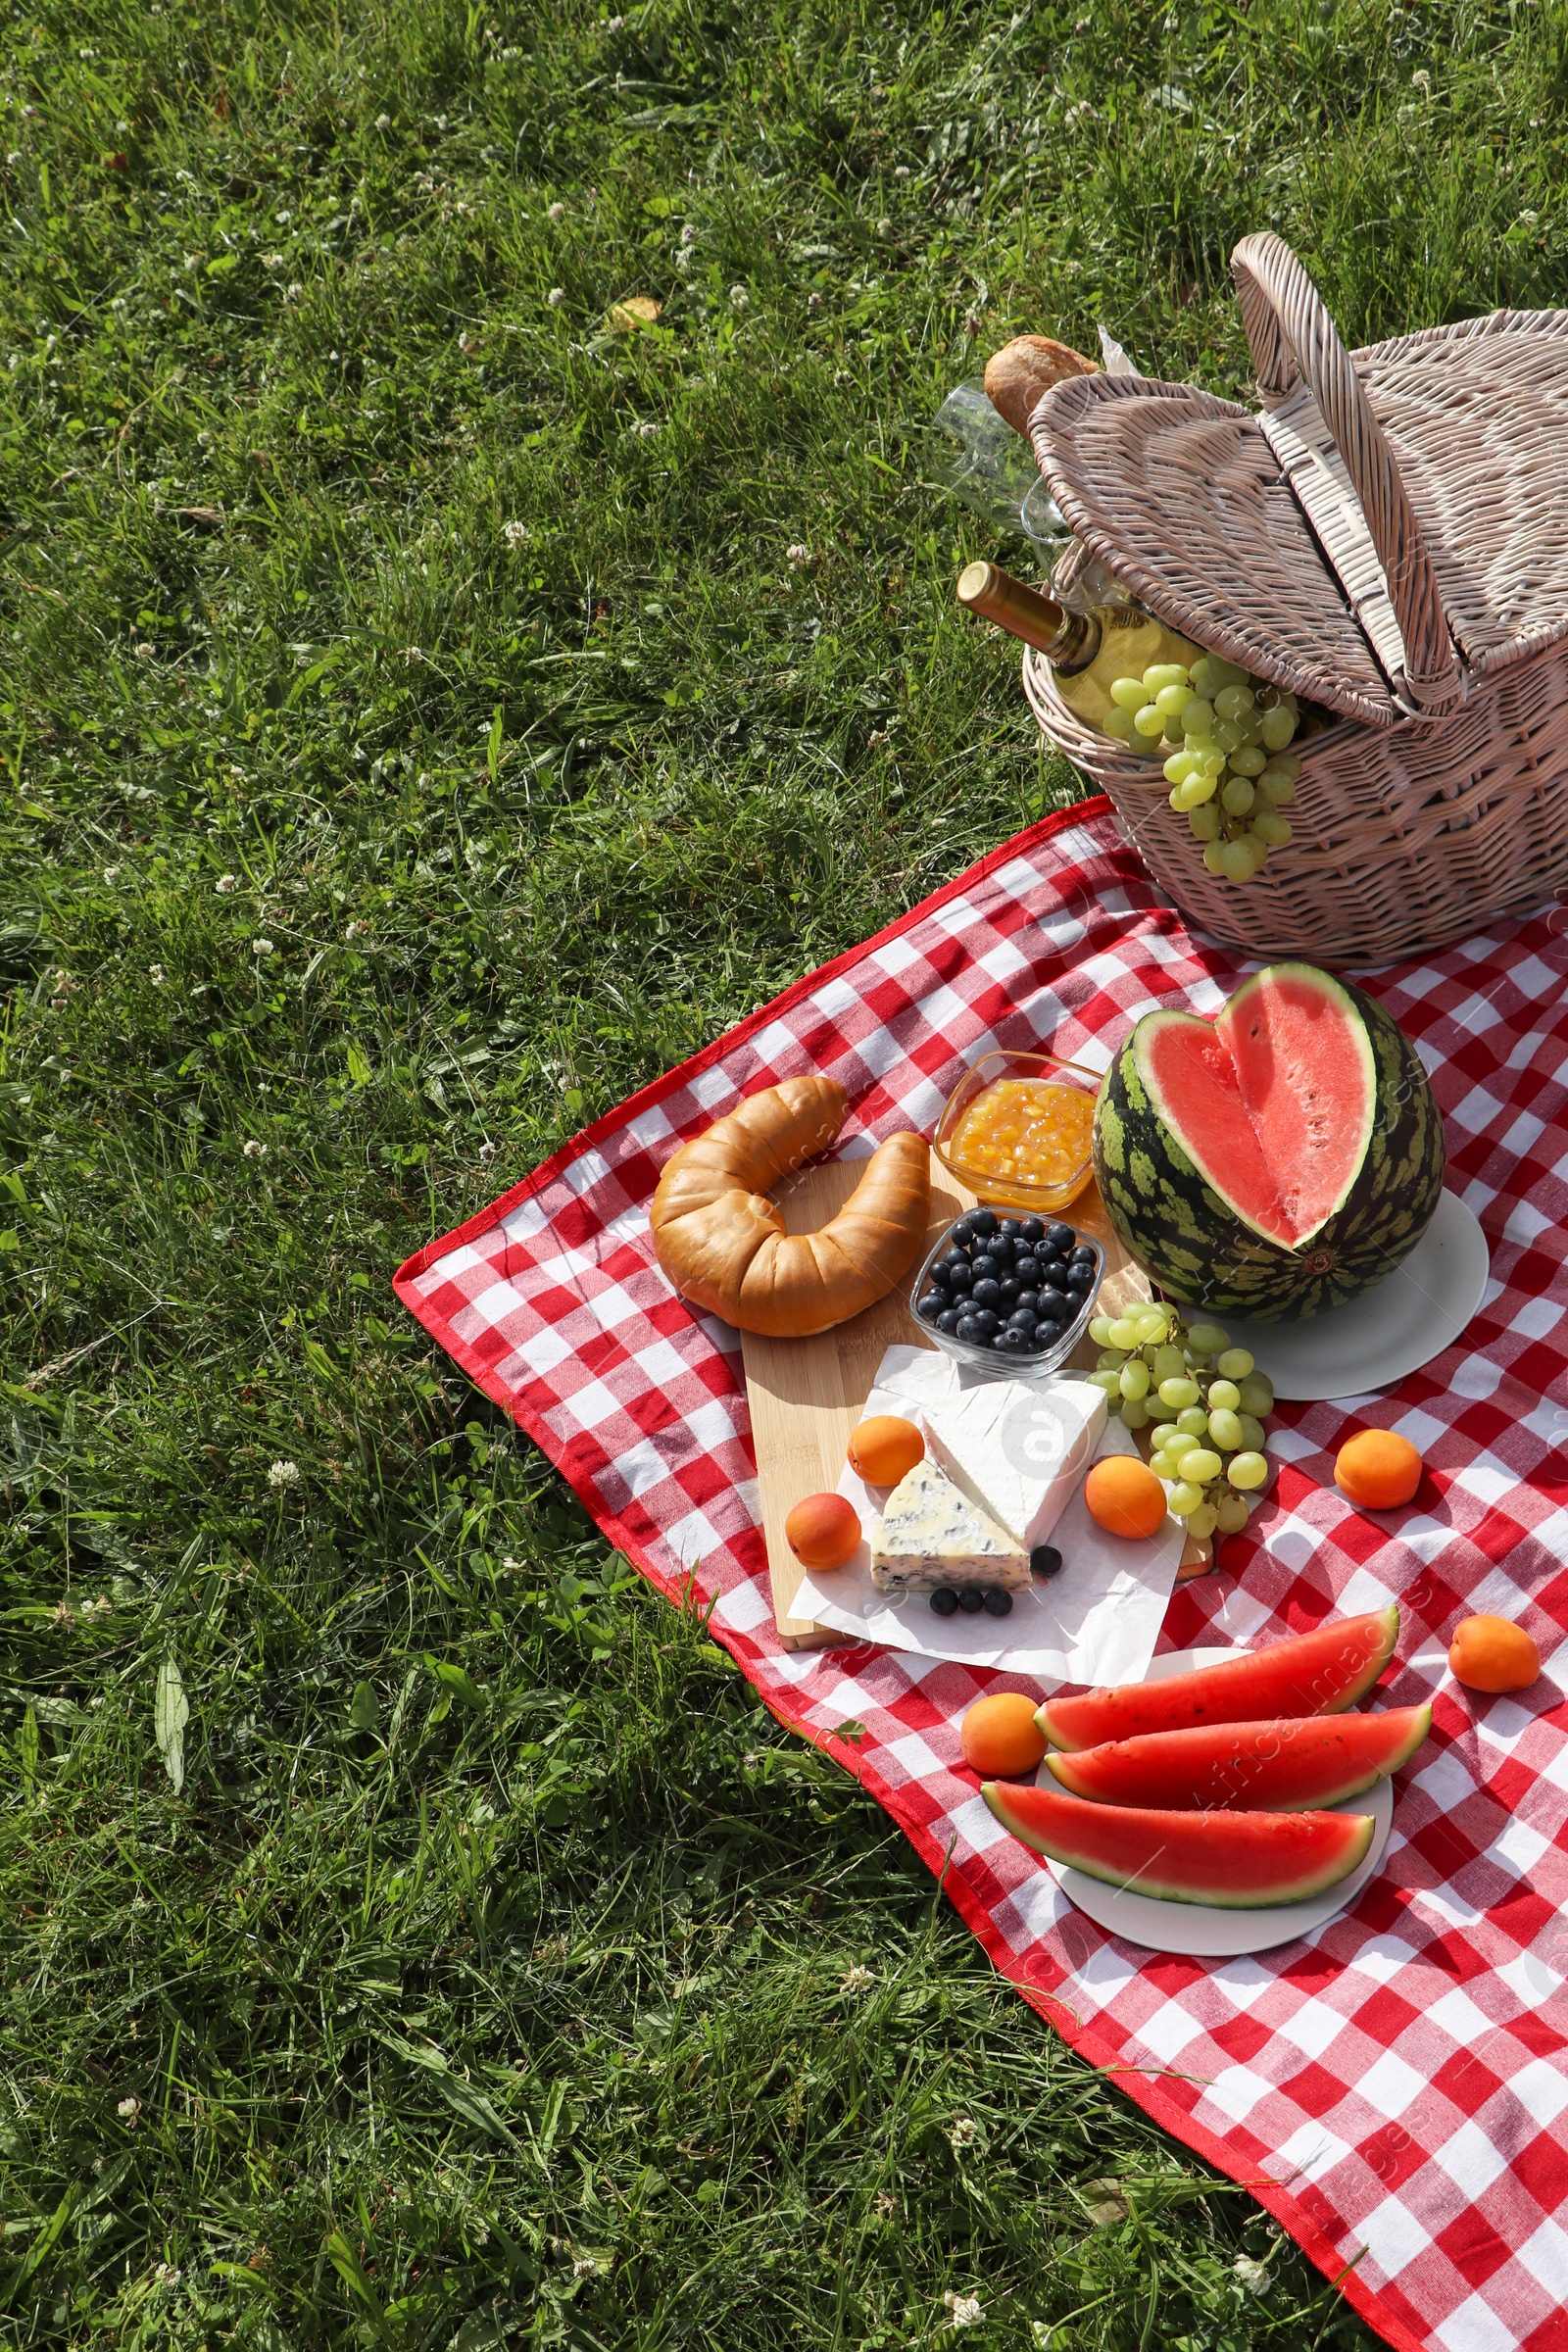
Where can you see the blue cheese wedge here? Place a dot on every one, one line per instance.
(1018, 1452)
(931, 1534)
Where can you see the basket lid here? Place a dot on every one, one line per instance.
(1389, 509)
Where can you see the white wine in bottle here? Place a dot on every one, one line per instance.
(1087, 650)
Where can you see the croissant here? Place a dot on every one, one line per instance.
(723, 1244)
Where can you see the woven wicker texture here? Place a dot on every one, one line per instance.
(1432, 465)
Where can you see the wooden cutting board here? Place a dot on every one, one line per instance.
(807, 1396)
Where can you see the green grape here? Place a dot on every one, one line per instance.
(1206, 676)
(1100, 1330)
(1172, 701)
(1179, 1393)
(1250, 723)
(1247, 1470)
(1174, 798)
(1254, 1439)
(1162, 1462)
(1235, 1365)
(1273, 831)
(1159, 1411)
(1179, 766)
(1279, 725)
(1273, 790)
(1237, 797)
(1149, 721)
(1205, 822)
(1232, 700)
(1192, 1421)
(1134, 1413)
(1227, 735)
(1208, 1338)
(1259, 850)
(1194, 792)
(1197, 718)
(1183, 1500)
(1170, 1364)
(1110, 1382)
(1119, 724)
(1224, 1393)
(1160, 674)
(1248, 762)
(1123, 1334)
(1214, 856)
(1110, 1359)
(1232, 1513)
(1203, 1521)
(1135, 1381)
(1258, 1393)
(1152, 1324)
(1238, 861)
(1225, 1429)
(1127, 694)
(1287, 763)
(1201, 1465)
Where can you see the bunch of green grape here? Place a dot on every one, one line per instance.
(1207, 1401)
(1223, 734)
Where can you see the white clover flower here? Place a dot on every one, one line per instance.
(648, 432)
(383, 122)
(797, 553)
(145, 652)
(516, 534)
(154, 973)
(97, 1608)
(583, 2265)
(883, 228)
(64, 1613)
(271, 260)
(813, 302)
(856, 1979)
(255, 1151)
(225, 883)
(129, 2108)
(1528, 219)
(292, 292)
(616, 25)
(283, 1474)
(168, 2274)
(487, 1151)
(689, 233)
(262, 947)
(1420, 79)
(739, 299)
(282, 219)
(965, 2310)
(556, 297)
(963, 2131)
(112, 875)
(901, 171)
(1254, 2275)
(557, 212)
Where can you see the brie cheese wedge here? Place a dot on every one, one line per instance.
(931, 1534)
(1018, 1452)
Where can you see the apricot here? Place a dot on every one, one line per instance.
(1000, 1736)
(823, 1530)
(1492, 1654)
(883, 1448)
(1124, 1496)
(1377, 1470)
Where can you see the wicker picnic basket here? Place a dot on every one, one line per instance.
(1388, 539)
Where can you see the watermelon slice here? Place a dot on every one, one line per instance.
(1321, 1673)
(1274, 1102)
(1239, 1861)
(1292, 1763)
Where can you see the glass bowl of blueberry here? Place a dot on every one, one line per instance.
(1009, 1294)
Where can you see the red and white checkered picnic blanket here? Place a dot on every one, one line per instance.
(1394, 2087)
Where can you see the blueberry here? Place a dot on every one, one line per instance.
(983, 1221)
(1000, 1250)
(982, 1322)
(986, 1292)
(959, 1230)
(954, 1260)
(1011, 1292)
(969, 1329)
(1045, 1560)
(958, 1279)
(1008, 1226)
(971, 1600)
(1032, 1230)
(948, 1321)
(945, 1601)
(1085, 1253)
(1079, 1278)
(983, 1263)
(932, 1305)
(1061, 1239)
(1056, 1305)
(936, 1275)
(1028, 1303)
(1011, 1343)
(1026, 1266)
(997, 1604)
(1022, 1319)
(1048, 1332)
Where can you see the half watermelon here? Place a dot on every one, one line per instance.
(1238, 1861)
(1320, 1673)
(1294, 1763)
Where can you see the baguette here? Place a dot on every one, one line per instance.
(1021, 373)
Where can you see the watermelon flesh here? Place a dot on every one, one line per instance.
(1239, 1861)
(1320, 1673)
(1292, 1764)
(1273, 1103)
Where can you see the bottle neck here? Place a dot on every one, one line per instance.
(1068, 639)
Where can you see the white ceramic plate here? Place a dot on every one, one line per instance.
(1394, 1328)
(1202, 1929)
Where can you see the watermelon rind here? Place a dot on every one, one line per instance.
(1231, 1861)
(1200, 1252)
(1289, 1764)
(1320, 1673)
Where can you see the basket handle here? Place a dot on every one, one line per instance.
(1294, 340)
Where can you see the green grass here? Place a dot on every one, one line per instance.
(470, 1968)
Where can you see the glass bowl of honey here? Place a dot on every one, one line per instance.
(1017, 1128)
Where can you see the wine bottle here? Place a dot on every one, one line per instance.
(1087, 650)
